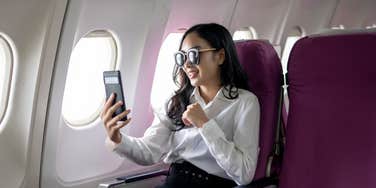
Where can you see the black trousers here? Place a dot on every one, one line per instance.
(182, 175)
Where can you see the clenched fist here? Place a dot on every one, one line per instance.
(194, 115)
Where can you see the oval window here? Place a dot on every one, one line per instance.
(246, 33)
(6, 62)
(84, 89)
(294, 35)
(163, 85)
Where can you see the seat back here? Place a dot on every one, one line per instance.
(331, 134)
(262, 65)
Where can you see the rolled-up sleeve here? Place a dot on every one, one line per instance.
(148, 149)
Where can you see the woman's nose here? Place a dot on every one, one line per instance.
(187, 64)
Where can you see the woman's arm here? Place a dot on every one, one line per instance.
(149, 149)
(146, 150)
(238, 157)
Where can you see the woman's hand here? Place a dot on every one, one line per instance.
(194, 115)
(113, 125)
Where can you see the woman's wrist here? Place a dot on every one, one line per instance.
(201, 123)
(116, 139)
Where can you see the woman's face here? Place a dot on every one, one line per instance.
(207, 72)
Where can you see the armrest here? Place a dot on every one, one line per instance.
(260, 183)
(133, 178)
(111, 184)
(143, 176)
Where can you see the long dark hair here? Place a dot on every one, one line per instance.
(232, 74)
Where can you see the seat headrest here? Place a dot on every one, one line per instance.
(330, 58)
(261, 63)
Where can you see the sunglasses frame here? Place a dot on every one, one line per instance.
(185, 55)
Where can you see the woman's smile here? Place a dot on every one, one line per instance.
(192, 74)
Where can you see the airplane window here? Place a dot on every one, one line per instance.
(84, 90)
(371, 26)
(5, 73)
(290, 41)
(340, 27)
(294, 35)
(163, 85)
(278, 49)
(245, 33)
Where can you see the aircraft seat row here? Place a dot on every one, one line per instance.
(331, 123)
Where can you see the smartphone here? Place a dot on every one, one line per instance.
(113, 84)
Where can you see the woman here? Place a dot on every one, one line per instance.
(209, 129)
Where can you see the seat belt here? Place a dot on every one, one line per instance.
(279, 139)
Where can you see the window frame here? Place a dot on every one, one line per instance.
(250, 29)
(4, 101)
(338, 27)
(154, 91)
(295, 32)
(372, 26)
(114, 62)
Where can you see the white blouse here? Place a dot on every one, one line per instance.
(226, 146)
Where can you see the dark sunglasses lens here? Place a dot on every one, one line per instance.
(179, 59)
(193, 57)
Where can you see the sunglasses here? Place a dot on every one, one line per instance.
(193, 56)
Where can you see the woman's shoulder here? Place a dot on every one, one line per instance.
(246, 95)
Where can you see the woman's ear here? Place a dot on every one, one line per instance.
(221, 56)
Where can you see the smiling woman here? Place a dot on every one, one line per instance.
(6, 61)
(192, 131)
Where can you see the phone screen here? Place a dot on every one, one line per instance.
(113, 84)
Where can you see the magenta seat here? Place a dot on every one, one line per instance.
(262, 65)
(331, 134)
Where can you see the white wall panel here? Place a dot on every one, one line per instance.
(266, 16)
(355, 14)
(28, 24)
(78, 157)
(312, 15)
(185, 14)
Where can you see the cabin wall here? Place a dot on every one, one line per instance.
(27, 24)
(68, 149)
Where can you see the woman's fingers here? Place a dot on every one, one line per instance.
(107, 105)
(113, 108)
(185, 119)
(114, 131)
(114, 125)
(119, 117)
(121, 124)
(186, 122)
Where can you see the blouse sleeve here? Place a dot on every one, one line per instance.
(237, 157)
(150, 148)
